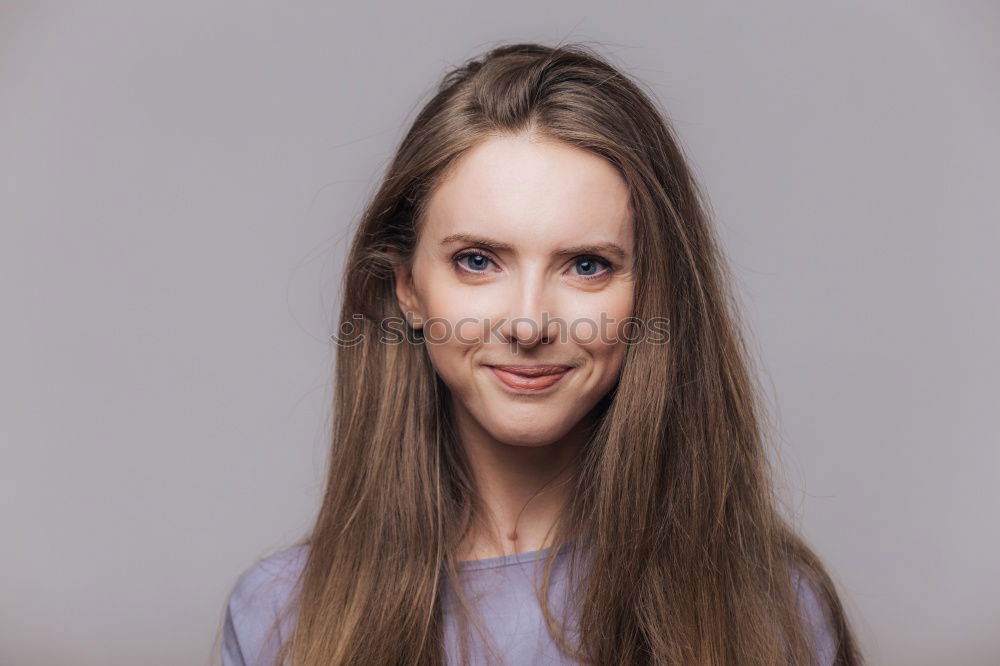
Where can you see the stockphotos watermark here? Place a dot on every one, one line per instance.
(473, 330)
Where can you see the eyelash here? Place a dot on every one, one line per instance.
(609, 267)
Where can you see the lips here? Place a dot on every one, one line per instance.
(530, 378)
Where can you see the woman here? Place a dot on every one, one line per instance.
(547, 444)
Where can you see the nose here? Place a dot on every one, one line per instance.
(530, 320)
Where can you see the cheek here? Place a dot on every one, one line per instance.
(599, 321)
(452, 330)
(461, 317)
(454, 320)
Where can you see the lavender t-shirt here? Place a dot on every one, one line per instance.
(499, 588)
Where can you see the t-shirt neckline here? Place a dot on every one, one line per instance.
(507, 560)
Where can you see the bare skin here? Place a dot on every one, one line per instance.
(524, 231)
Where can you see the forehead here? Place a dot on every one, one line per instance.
(542, 189)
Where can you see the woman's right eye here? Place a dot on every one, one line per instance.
(473, 262)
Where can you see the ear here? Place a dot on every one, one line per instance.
(406, 295)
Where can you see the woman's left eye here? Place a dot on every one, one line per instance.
(590, 267)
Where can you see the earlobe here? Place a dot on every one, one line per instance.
(406, 297)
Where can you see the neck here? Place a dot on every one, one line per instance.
(522, 488)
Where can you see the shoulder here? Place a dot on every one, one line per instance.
(816, 614)
(257, 613)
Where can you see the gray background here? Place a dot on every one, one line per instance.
(178, 183)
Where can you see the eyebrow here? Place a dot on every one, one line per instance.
(498, 246)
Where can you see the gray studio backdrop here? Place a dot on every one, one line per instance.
(178, 181)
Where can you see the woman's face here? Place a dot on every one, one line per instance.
(524, 259)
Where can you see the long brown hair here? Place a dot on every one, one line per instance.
(688, 557)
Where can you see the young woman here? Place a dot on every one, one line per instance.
(547, 446)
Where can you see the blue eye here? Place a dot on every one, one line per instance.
(473, 261)
(590, 267)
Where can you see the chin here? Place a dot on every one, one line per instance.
(533, 434)
(527, 441)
